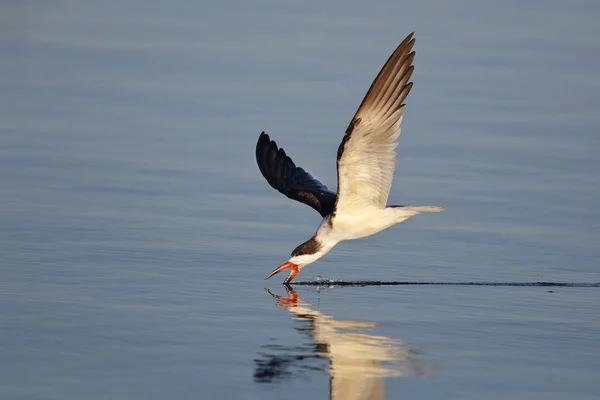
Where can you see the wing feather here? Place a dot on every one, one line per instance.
(294, 182)
(366, 156)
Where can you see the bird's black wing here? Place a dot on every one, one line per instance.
(294, 182)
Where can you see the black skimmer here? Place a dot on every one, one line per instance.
(366, 159)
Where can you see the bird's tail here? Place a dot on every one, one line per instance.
(426, 208)
(420, 209)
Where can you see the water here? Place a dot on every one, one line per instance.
(135, 228)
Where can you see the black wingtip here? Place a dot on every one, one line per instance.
(262, 150)
(262, 145)
(272, 161)
(263, 137)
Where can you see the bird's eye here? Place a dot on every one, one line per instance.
(300, 253)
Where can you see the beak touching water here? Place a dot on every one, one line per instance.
(283, 267)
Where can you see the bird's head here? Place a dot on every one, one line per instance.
(307, 253)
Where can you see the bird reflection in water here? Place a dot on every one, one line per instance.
(357, 362)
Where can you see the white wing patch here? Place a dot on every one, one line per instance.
(367, 165)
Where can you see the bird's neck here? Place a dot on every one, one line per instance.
(325, 238)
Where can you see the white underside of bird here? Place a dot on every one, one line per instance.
(351, 226)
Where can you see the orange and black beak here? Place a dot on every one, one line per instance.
(283, 267)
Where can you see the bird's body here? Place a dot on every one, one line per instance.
(366, 159)
(361, 223)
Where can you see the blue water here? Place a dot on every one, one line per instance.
(136, 229)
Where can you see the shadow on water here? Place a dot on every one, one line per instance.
(357, 362)
(331, 282)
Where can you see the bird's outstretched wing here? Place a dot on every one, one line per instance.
(294, 182)
(366, 157)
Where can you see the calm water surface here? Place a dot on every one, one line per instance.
(135, 228)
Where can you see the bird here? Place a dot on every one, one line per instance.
(366, 159)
